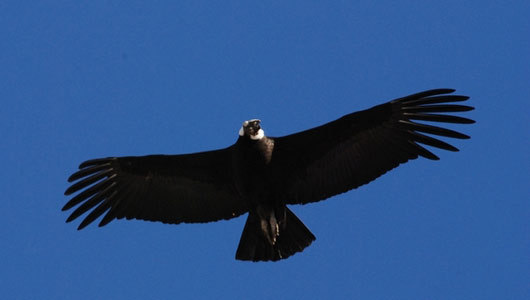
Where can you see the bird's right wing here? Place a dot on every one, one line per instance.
(359, 147)
(186, 188)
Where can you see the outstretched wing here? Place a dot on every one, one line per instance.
(186, 188)
(359, 147)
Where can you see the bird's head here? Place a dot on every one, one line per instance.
(252, 129)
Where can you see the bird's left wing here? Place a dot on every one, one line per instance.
(173, 189)
(357, 148)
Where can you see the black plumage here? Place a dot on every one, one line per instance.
(261, 175)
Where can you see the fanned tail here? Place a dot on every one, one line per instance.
(293, 237)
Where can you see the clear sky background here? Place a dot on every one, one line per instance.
(86, 79)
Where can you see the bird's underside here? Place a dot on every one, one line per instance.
(261, 175)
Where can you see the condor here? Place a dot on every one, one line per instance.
(261, 175)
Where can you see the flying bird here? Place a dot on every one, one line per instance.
(261, 175)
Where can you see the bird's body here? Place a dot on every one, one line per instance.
(261, 175)
(254, 180)
(259, 185)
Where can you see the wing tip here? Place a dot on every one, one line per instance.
(71, 218)
(70, 190)
(95, 161)
(430, 157)
(444, 90)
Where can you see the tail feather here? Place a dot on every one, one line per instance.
(293, 237)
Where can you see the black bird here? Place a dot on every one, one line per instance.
(261, 175)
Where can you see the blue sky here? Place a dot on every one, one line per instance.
(112, 78)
